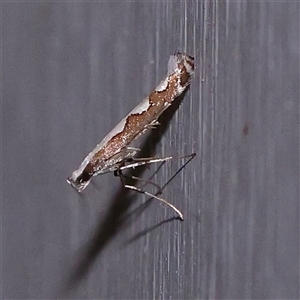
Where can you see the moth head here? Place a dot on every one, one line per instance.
(79, 181)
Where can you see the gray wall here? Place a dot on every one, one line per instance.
(71, 70)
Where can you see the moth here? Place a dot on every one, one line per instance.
(115, 152)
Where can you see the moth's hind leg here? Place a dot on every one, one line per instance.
(119, 173)
(134, 188)
(133, 162)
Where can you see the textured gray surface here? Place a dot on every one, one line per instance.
(70, 71)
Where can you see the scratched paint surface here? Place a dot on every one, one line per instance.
(71, 71)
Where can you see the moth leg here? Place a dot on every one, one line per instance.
(136, 161)
(129, 149)
(134, 188)
(153, 125)
(119, 173)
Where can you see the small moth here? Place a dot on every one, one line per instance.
(115, 152)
